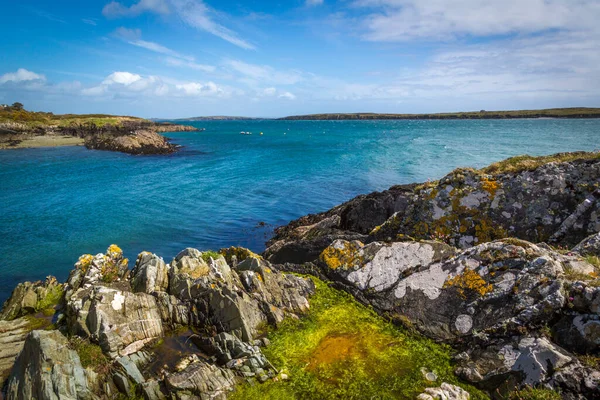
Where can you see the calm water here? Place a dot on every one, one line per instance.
(59, 203)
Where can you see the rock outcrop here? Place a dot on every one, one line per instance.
(136, 142)
(29, 298)
(125, 314)
(555, 202)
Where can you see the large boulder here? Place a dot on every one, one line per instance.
(123, 322)
(47, 369)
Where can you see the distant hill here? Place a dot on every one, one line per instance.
(580, 112)
(214, 118)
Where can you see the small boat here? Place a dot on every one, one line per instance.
(245, 133)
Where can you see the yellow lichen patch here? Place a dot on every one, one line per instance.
(343, 255)
(240, 254)
(469, 282)
(490, 186)
(528, 163)
(84, 262)
(114, 251)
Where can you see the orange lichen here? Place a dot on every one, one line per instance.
(490, 186)
(343, 255)
(469, 282)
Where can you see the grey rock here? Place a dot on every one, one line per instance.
(202, 379)
(589, 246)
(446, 391)
(123, 322)
(150, 274)
(48, 369)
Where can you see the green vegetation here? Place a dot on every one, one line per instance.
(19, 119)
(535, 394)
(342, 349)
(52, 298)
(90, 355)
(580, 112)
(528, 163)
(207, 255)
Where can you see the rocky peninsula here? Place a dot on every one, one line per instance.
(484, 284)
(20, 129)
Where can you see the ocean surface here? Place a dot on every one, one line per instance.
(227, 189)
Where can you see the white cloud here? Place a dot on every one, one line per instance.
(21, 75)
(89, 21)
(175, 62)
(400, 20)
(311, 3)
(263, 74)
(196, 14)
(115, 9)
(122, 84)
(176, 59)
(287, 95)
(199, 89)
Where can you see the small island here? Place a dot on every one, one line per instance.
(20, 128)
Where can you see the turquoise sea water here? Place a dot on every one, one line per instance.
(58, 203)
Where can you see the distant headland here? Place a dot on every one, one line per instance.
(20, 128)
(579, 112)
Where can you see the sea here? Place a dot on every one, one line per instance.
(226, 189)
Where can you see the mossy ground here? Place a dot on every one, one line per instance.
(343, 350)
(535, 394)
(528, 163)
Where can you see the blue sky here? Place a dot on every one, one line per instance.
(182, 58)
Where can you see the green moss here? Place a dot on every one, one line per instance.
(90, 354)
(535, 394)
(207, 255)
(34, 323)
(51, 299)
(342, 349)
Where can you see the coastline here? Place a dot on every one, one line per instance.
(461, 263)
(33, 142)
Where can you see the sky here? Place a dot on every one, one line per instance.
(185, 58)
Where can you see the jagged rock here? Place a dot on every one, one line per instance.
(237, 301)
(235, 354)
(101, 268)
(589, 246)
(29, 298)
(201, 379)
(493, 286)
(150, 274)
(12, 339)
(555, 202)
(123, 322)
(48, 369)
(445, 392)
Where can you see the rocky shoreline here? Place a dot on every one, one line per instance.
(502, 264)
(132, 137)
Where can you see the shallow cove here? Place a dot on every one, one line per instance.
(58, 203)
